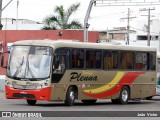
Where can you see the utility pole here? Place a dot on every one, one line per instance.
(148, 27)
(1, 9)
(128, 25)
(17, 15)
(1, 15)
(149, 19)
(159, 41)
(86, 25)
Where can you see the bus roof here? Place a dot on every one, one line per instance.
(57, 44)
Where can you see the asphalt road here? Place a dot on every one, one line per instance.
(54, 108)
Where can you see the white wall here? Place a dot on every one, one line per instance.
(23, 24)
(22, 27)
(154, 27)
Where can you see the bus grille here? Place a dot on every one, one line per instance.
(18, 95)
(24, 87)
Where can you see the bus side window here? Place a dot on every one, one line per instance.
(98, 59)
(74, 58)
(141, 61)
(81, 59)
(152, 60)
(77, 58)
(89, 59)
(115, 59)
(61, 67)
(60, 62)
(93, 59)
(127, 60)
(158, 82)
(111, 60)
(107, 60)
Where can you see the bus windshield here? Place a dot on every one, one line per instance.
(29, 62)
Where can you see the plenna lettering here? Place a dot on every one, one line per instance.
(80, 77)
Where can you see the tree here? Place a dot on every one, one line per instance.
(61, 19)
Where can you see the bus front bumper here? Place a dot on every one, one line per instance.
(38, 94)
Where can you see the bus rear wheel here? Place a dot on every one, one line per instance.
(89, 102)
(70, 96)
(124, 95)
(31, 102)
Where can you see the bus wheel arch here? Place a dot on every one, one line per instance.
(149, 98)
(71, 95)
(124, 95)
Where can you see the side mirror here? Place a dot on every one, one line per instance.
(3, 58)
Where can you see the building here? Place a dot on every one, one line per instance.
(138, 35)
(142, 29)
(117, 33)
(22, 24)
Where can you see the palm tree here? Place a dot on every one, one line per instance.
(61, 20)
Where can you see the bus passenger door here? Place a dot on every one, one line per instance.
(59, 67)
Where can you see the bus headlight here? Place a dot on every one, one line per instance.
(8, 83)
(42, 85)
(39, 86)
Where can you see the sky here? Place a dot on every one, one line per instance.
(101, 18)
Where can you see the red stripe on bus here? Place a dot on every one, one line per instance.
(127, 79)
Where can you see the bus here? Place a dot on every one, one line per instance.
(68, 71)
(158, 75)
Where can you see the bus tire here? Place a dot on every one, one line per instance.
(31, 102)
(89, 102)
(70, 96)
(124, 95)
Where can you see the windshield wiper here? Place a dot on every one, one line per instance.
(29, 69)
(19, 68)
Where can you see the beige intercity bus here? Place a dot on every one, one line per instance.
(68, 71)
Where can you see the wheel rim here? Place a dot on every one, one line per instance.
(72, 96)
(124, 95)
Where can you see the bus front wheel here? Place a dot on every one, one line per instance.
(70, 96)
(31, 102)
(124, 95)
